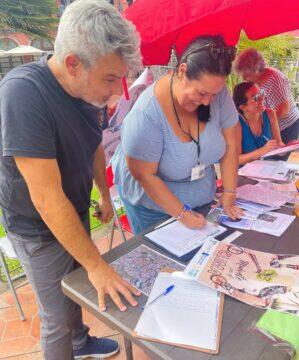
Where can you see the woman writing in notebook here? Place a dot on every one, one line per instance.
(177, 129)
(257, 131)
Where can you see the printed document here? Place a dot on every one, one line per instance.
(264, 170)
(179, 240)
(272, 223)
(282, 150)
(257, 193)
(197, 310)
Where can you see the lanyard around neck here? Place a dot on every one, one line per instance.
(179, 122)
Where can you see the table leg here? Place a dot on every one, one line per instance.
(128, 349)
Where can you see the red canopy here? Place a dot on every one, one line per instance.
(165, 23)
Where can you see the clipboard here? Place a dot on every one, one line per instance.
(189, 255)
(190, 347)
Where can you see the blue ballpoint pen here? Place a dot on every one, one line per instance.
(188, 208)
(165, 292)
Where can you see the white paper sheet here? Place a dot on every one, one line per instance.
(257, 193)
(263, 169)
(281, 150)
(196, 308)
(179, 240)
(272, 223)
(254, 207)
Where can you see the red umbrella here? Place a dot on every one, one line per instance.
(163, 24)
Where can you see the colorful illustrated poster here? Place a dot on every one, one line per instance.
(264, 280)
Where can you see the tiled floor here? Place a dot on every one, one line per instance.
(19, 340)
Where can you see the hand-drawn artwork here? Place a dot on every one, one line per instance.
(259, 279)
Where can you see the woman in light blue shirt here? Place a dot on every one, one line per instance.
(178, 128)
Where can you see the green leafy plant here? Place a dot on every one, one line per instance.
(32, 17)
(279, 51)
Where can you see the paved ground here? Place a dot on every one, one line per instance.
(19, 340)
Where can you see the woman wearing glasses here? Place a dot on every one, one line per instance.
(178, 128)
(258, 131)
(251, 65)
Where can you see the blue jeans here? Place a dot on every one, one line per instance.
(140, 217)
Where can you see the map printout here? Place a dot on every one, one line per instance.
(141, 266)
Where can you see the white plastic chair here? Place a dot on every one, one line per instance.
(6, 249)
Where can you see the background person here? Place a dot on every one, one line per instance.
(251, 65)
(177, 129)
(258, 131)
(50, 153)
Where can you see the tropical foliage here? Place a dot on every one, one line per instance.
(32, 17)
(280, 51)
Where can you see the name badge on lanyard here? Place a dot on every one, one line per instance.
(198, 172)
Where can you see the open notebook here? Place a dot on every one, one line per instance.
(198, 314)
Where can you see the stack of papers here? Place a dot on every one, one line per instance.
(282, 150)
(179, 240)
(287, 190)
(197, 309)
(254, 207)
(260, 169)
(272, 223)
(259, 194)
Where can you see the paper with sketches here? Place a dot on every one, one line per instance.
(141, 266)
(196, 308)
(282, 150)
(111, 135)
(257, 193)
(264, 280)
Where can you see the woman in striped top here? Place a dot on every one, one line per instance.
(251, 65)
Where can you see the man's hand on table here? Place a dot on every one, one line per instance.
(107, 282)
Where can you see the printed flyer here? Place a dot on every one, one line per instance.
(264, 280)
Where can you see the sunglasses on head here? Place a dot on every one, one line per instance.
(257, 96)
(216, 51)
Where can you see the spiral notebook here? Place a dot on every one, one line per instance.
(198, 314)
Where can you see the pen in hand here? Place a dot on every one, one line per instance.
(188, 208)
(165, 292)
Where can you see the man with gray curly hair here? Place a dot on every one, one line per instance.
(50, 154)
